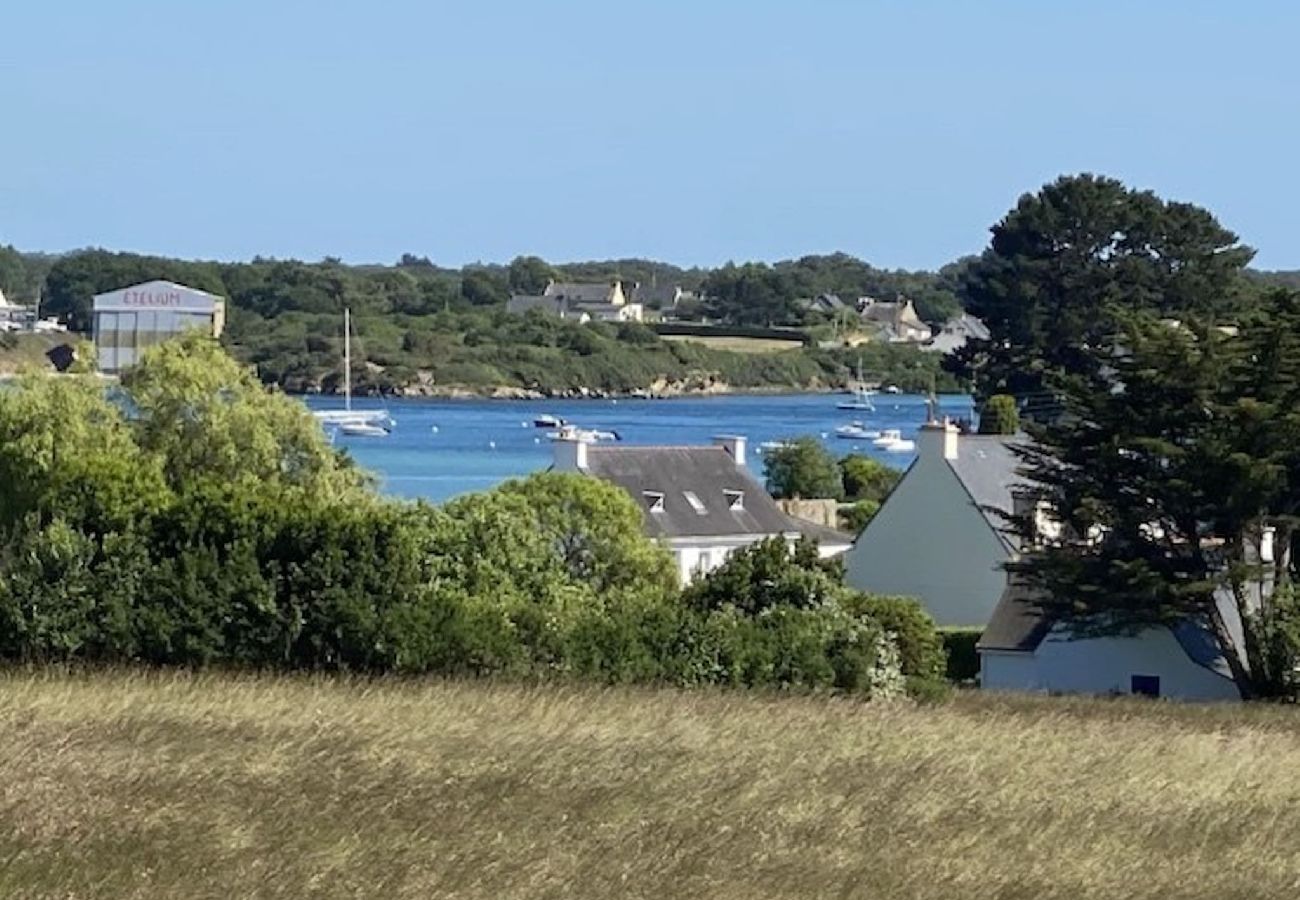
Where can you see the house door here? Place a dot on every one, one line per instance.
(1145, 685)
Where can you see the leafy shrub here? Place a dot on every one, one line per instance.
(999, 415)
(919, 645)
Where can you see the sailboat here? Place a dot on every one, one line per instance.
(364, 422)
(861, 395)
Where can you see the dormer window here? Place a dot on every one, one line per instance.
(654, 501)
(735, 500)
(696, 503)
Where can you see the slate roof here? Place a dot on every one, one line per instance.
(1016, 624)
(660, 295)
(986, 467)
(822, 534)
(956, 332)
(578, 292)
(707, 472)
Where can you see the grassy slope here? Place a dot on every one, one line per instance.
(19, 352)
(129, 786)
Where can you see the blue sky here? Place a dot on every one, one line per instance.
(694, 132)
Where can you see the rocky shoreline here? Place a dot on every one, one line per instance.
(661, 389)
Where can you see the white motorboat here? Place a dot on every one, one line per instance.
(892, 441)
(771, 446)
(546, 420)
(584, 435)
(892, 389)
(856, 431)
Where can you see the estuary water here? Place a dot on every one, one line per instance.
(442, 448)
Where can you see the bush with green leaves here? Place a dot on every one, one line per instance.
(999, 415)
(803, 468)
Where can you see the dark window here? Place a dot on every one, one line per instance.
(1146, 685)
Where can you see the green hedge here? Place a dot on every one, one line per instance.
(963, 660)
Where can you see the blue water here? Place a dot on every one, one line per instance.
(442, 448)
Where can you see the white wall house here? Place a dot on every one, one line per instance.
(935, 537)
(582, 301)
(700, 501)
(1023, 650)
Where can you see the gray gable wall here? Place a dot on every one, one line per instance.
(931, 541)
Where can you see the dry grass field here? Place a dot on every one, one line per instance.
(134, 786)
(738, 344)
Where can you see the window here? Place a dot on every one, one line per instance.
(735, 500)
(1146, 685)
(654, 500)
(696, 503)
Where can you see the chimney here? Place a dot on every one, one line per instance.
(569, 454)
(938, 439)
(734, 444)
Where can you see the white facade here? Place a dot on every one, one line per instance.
(129, 320)
(696, 557)
(1106, 665)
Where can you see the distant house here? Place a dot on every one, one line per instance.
(581, 301)
(702, 502)
(956, 332)
(896, 322)
(826, 304)
(939, 536)
(662, 297)
(1022, 649)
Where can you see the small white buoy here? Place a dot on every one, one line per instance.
(537, 440)
(492, 445)
(435, 429)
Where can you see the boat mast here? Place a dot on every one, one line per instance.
(347, 358)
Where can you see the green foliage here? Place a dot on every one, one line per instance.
(999, 415)
(919, 646)
(803, 468)
(203, 414)
(215, 527)
(963, 660)
(867, 479)
(529, 275)
(766, 575)
(1065, 261)
(855, 517)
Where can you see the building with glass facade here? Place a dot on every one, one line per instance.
(129, 320)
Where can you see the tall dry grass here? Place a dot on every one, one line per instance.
(171, 786)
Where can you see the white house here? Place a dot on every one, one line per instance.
(605, 302)
(700, 501)
(939, 536)
(1022, 649)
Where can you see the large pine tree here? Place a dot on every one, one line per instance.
(1065, 261)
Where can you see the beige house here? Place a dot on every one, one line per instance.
(896, 322)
